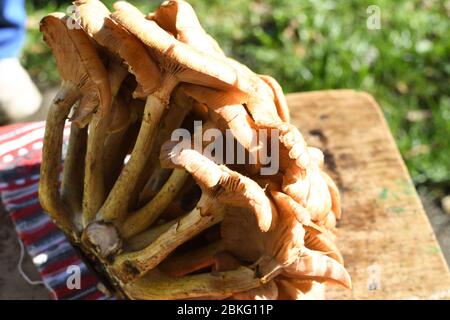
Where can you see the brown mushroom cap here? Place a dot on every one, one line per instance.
(282, 244)
(124, 5)
(228, 105)
(303, 177)
(222, 184)
(280, 99)
(317, 266)
(198, 67)
(94, 16)
(187, 63)
(322, 242)
(272, 250)
(78, 62)
(179, 18)
(261, 99)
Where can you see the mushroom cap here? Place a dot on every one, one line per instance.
(274, 249)
(125, 5)
(94, 18)
(179, 18)
(323, 243)
(195, 66)
(78, 62)
(286, 203)
(312, 192)
(92, 14)
(187, 63)
(279, 98)
(222, 184)
(227, 105)
(213, 98)
(334, 193)
(317, 266)
(261, 98)
(303, 178)
(284, 241)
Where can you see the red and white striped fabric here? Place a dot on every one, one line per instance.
(20, 158)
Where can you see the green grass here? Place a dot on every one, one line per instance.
(314, 45)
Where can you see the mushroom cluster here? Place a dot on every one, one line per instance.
(163, 217)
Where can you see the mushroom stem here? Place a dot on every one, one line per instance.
(130, 266)
(94, 187)
(145, 238)
(116, 204)
(94, 180)
(212, 255)
(172, 121)
(268, 291)
(49, 195)
(219, 285)
(73, 174)
(116, 148)
(146, 216)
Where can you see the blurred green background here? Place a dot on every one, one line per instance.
(315, 45)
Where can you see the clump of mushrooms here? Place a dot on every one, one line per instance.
(163, 219)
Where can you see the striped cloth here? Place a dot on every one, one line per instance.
(51, 252)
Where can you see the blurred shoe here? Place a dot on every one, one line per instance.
(19, 96)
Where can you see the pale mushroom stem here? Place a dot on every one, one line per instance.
(116, 205)
(145, 238)
(172, 121)
(130, 266)
(73, 173)
(181, 265)
(219, 285)
(94, 187)
(116, 148)
(146, 216)
(49, 195)
(94, 180)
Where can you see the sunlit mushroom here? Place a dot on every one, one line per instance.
(179, 18)
(164, 218)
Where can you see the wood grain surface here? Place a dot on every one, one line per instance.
(387, 241)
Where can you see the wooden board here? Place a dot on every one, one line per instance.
(387, 241)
